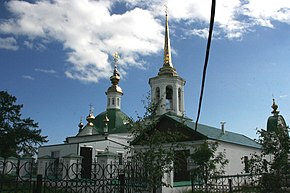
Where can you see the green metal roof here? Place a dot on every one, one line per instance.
(215, 133)
(117, 121)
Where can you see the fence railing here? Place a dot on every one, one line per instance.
(74, 178)
(242, 183)
(22, 176)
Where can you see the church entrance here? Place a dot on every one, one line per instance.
(86, 152)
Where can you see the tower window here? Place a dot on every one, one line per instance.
(157, 94)
(169, 102)
(113, 101)
(179, 99)
(118, 101)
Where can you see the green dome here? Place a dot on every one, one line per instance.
(118, 121)
(275, 122)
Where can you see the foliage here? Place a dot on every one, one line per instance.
(273, 162)
(152, 147)
(207, 163)
(17, 135)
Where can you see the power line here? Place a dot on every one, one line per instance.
(206, 59)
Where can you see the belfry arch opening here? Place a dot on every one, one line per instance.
(157, 94)
(179, 99)
(169, 97)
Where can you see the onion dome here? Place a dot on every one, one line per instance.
(80, 124)
(88, 129)
(115, 78)
(90, 118)
(275, 121)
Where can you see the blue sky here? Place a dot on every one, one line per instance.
(56, 58)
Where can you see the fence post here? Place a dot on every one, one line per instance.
(38, 184)
(230, 185)
(122, 182)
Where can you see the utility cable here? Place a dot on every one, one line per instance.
(206, 60)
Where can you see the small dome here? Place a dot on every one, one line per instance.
(118, 121)
(275, 121)
(90, 118)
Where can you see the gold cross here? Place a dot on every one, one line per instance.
(91, 109)
(116, 57)
(166, 9)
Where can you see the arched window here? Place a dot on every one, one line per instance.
(113, 101)
(169, 102)
(179, 99)
(118, 101)
(157, 94)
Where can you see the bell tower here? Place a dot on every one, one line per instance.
(167, 88)
(114, 92)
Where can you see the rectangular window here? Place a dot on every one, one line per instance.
(120, 157)
(246, 162)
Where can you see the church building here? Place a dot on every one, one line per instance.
(107, 134)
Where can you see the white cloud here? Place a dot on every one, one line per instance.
(27, 77)
(90, 32)
(203, 33)
(283, 96)
(265, 12)
(233, 18)
(50, 71)
(8, 43)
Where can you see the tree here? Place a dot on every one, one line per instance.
(273, 162)
(18, 136)
(207, 163)
(152, 147)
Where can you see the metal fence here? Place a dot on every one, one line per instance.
(228, 183)
(61, 178)
(20, 176)
(243, 183)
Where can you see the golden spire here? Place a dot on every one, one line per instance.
(167, 68)
(167, 50)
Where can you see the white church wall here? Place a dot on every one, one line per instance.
(100, 146)
(63, 149)
(235, 153)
